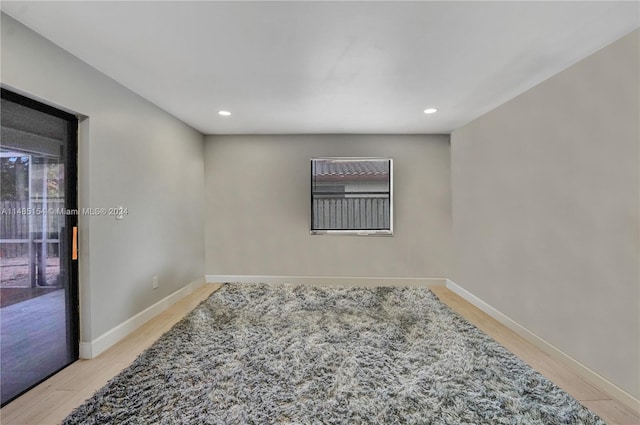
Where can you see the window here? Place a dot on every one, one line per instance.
(352, 196)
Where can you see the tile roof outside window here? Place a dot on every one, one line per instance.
(342, 168)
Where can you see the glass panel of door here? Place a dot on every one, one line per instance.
(38, 278)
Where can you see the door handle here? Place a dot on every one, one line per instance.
(74, 244)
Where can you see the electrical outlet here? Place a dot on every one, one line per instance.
(155, 282)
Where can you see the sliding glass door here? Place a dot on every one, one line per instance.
(38, 264)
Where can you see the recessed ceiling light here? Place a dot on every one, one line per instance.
(224, 113)
(430, 111)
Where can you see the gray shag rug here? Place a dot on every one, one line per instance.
(290, 354)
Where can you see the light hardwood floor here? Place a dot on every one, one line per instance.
(54, 399)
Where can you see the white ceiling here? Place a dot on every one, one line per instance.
(328, 67)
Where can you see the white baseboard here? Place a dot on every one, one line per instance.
(330, 280)
(582, 370)
(92, 349)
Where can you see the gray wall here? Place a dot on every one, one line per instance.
(258, 201)
(131, 154)
(545, 211)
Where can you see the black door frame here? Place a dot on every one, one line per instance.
(71, 220)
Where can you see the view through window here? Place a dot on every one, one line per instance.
(351, 195)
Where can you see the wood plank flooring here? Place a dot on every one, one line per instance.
(33, 341)
(10, 296)
(54, 399)
(51, 401)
